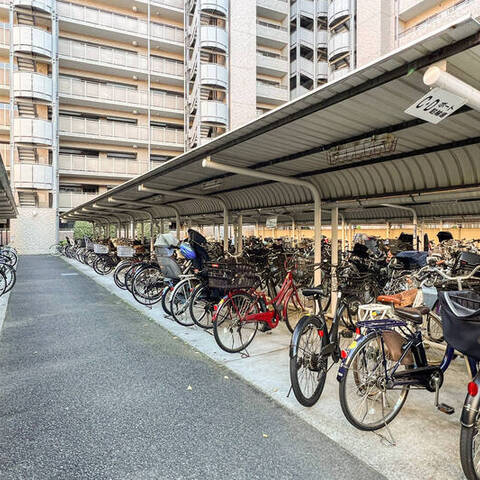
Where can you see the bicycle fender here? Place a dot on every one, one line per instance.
(471, 407)
(296, 335)
(345, 364)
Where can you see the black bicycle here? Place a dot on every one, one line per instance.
(313, 344)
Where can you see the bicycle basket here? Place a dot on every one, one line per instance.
(100, 249)
(229, 276)
(124, 251)
(460, 312)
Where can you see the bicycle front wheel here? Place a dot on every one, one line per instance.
(366, 401)
(308, 369)
(202, 306)
(232, 333)
(179, 305)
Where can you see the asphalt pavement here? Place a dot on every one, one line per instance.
(92, 389)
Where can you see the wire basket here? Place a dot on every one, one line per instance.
(100, 249)
(124, 251)
(229, 276)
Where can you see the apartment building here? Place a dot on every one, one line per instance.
(236, 58)
(97, 98)
(95, 92)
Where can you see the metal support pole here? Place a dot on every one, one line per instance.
(343, 232)
(389, 225)
(334, 258)
(239, 239)
(415, 221)
(314, 190)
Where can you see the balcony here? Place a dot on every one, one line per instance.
(117, 26)
(33, 175)
(166, 8)
(215, 6)
(339, 44)
(106, 131)
(28, 39)
(5, 81)
(409, 9)
(214, 37)
(42, 5)
(212, 74)
(32, 130)
(4, 118)
(322, 38)
(271, 64)
(273, 94)
(302, 35)
(271, 35)
(83, 92)
(298, 92)
(338, 10)
(303, 66)
(275, 9)
(214, 112)
(108, 60)
(302, 7)
(108, 167)
(68, 200)
(322, 8)
(32, 85)
(4, 37)
(322, 70)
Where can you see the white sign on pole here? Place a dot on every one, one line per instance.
(271, 222)
(436, 105)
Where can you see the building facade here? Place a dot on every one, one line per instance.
(95, 92)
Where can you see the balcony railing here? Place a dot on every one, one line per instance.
(119, 22)
(98, 54)
(118, 94)
(106, 129)
(89, 165)
(276, 34)
(4, 118)
(271, 91)
(4, 77)
(170, 3)
(73, 199)
(4, 36)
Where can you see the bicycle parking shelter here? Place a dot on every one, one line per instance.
(346, 150)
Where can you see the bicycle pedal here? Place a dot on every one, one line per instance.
(444, 408)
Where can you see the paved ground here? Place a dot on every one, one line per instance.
(92, 389)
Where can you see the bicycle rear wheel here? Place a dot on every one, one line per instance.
(366, 401)
(308, 369)
(470, 450)
(230, 330)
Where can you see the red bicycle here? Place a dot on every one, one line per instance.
(238, 315)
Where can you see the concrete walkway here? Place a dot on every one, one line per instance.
(92, 389)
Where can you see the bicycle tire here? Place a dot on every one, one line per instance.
(201, 307)
(228, 308)
(10, 277)
(179, 307)
(119, 274)
(166, 298)
(354, 361)
(308, 328)
(152, 288)
(467, 446)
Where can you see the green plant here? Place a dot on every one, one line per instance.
(82, 229)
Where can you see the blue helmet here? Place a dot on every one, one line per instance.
(187, 251)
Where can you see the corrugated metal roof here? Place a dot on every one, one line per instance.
(293, 140)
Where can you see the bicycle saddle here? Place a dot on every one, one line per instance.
(395, 299)
(311, 292)
(414, 315)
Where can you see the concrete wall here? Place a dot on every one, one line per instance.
(243, 62)
(33, 232)
(375, 29)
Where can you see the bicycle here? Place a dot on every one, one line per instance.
(244, 310)
(384, 362)
(313, 343)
